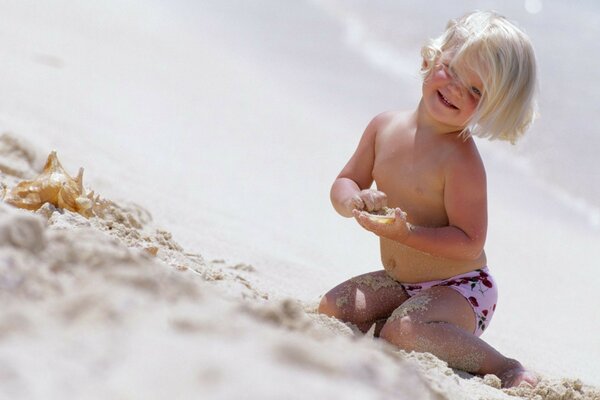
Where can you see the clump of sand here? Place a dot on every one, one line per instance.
(556, 389)
(113, 307)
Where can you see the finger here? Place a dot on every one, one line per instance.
(356, 214)
(383, 200)
(400, 215)
(377, 198)
(368, 223)
(357, 202)
(360, 217)
(369, 201)
(380, 200)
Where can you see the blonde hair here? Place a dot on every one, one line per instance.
(503, 57)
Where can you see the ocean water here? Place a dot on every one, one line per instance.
(561, 150)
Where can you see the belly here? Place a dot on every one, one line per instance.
(408, 265)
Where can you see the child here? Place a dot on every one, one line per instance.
(436, 293)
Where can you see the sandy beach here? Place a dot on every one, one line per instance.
(213, 132)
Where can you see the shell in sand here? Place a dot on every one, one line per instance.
(55, 186)
(384, 216)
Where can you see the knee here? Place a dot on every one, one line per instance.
(403, 332)
(344, 305)
(338, 307)
(329, 307)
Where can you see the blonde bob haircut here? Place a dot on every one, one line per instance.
(492, 47)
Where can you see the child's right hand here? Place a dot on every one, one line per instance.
(368, 200)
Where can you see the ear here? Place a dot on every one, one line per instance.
(424, 65)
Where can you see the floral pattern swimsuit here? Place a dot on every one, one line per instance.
(476, 286)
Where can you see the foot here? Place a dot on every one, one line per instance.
(514, 374)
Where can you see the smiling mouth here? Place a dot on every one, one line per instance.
(445, 101)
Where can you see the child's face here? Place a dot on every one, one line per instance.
(451, 99)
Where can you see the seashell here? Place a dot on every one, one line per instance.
(55, 186)
(384, 216)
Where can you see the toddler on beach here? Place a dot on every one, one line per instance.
(436, 293)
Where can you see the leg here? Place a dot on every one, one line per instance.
(364, 300)
(441, 321)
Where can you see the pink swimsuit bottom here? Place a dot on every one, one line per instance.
(476, 286)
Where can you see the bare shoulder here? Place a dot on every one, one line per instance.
(388, 119)
(391, 126)
(360, 166)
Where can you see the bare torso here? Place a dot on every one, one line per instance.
(409, 167)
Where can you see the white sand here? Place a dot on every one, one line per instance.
(217, 136)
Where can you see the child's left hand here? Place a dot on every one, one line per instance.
(398, 231)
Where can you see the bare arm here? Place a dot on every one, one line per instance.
(350, 190)
(343, 191)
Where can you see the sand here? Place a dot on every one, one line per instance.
(202, 278)
(89, 311)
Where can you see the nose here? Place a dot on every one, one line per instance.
(455, 88)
